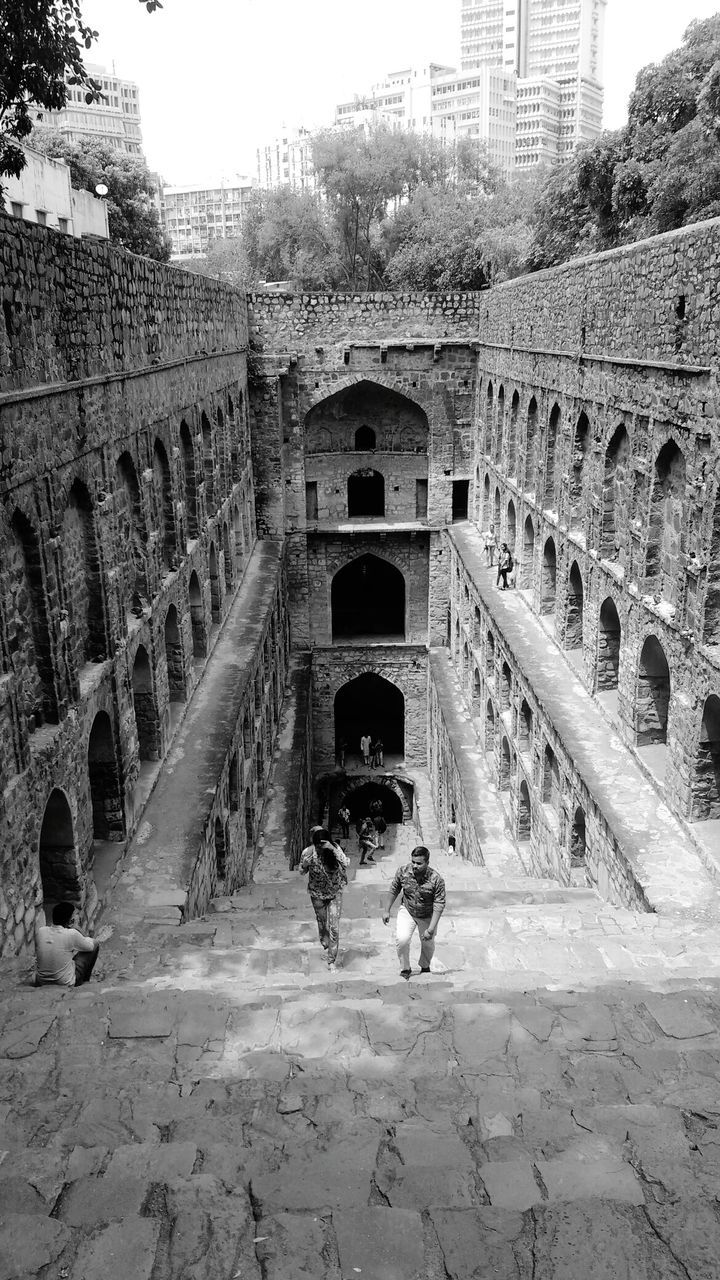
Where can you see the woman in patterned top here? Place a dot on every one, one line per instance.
(325, 865)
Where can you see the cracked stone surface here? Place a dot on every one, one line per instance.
(218, 1106)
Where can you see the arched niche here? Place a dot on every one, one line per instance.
(104, 777)
(398, 422)
(652, 696)
(187, 450)
(59, 871)
(165, 506)
(368, 599)
(512, 444)
(575, 608)
(577, 471)
(706, 773)
(215, 591)
(609, 642)
(29, 618)
(197, 617)
(616, 495)
(174, 656)
(548, 582)
(208, 462)
(365, 494)
(524, 814)
(146, 713)
(528, 556)
(370, 704)
(531, 431)
(364, 439)
(81, 574)
(667, 523)
(132, 534)
(359, 799)
(551, 457)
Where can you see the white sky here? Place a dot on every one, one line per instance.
(219, 77)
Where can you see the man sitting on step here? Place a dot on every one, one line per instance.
(63, 955)
(423, 902)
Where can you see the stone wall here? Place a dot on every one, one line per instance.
(127, 526)
(289, 322)
(404, 667)
(596, 448)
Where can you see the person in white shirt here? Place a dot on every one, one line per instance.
(63, 955)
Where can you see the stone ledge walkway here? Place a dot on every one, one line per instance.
(218, 1106)
(665, 861)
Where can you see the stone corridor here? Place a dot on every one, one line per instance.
(216, 1105)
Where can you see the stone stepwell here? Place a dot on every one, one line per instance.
(218, 1105)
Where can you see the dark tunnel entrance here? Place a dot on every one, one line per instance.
(368, 600)
(370, 704)
(359, 800)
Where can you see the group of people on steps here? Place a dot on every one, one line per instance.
(419, 887)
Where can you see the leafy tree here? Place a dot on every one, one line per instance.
(225, 259)
(132, 215)
(661, 171)
(289, 235)
(40, 42)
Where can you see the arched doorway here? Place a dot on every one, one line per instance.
(359, 799)
(215, 593)
(706, 779)
(59, 872)
(530, 445)
(368, 600)
(104, 775)
(370, 704)
(187, 449)
(550, 457)
(653, 694)
(365, 493)
(667, 524)
(615, 494)
(220, 854)
(580, 445)
(524, 818)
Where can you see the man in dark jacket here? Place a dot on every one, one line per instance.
(423, 902)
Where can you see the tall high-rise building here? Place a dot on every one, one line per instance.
(113, 119)
(556, 48)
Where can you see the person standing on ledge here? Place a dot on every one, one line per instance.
(423, 902)
(63, 955)
(365, 748)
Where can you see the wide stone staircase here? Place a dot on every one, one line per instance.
(545, 1104)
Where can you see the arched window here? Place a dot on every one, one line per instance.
(578, 847)
(208, 462)
(368, 599)
(524, 818)
(500, 427)
(511, 526)
(505, 765)
(197, 617)
(525, 728)
(364, 439)
(489, 419)
(366, 493)
(551, 780)
(215, 593)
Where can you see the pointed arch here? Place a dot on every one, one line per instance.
(165, 507)
(108, 808)
(82, 577)
(531, 428)
(187, 449)
(548, 582)
(512, 448)
(577, 471)
(652, 698)
(132, 534)
(609, 644)
(667, 522)
(367, 598)
(551, 457)
(59, 864)
(370, 703)
(615, 493)
(574, 617)
(29, 620)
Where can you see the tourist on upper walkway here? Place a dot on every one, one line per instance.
(325, 865)
(490, 543)
(63, 955)
(365, 743)
(505, 566)
(344, 820)
(423, 902)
